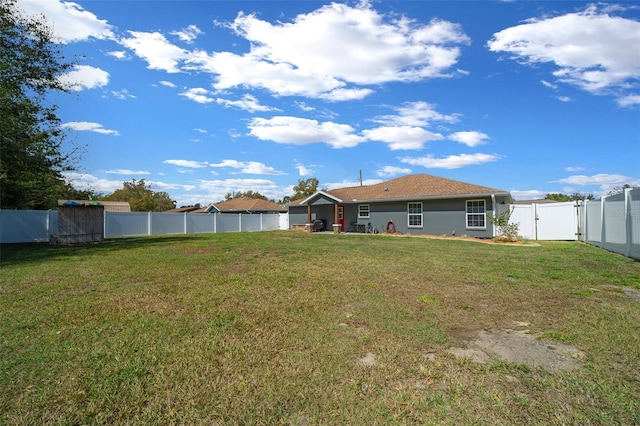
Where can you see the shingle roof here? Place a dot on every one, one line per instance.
(248, 204)
(413, 186)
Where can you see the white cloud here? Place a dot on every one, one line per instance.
(248, 103)
(187, 163)
(188, 34)
(167, 84)
(450, 162)
(87, 126)
(154, 48)
(217, 189)
(591, 49)
(574, 169)
(403, 137)
(564, 99)
(88, 181)
(302, 131)
(69, 20)
(529, 194)
(127, 172)
(420, 114)
(469, 138)
(250, 167)
(85, 77)
(549, 85)
(288, 58)
(606, 182)
(199, 130)
(118, 54)
(391, 171)
(629, 100)
(304, 170)
(198, 94)
(122, 94)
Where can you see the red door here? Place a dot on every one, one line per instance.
(341, 217)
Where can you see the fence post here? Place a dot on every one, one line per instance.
(148, 223)
(239, 222)
(627, 220)
(603, 231)
(185, 222)
(261, 222)
(215, 223)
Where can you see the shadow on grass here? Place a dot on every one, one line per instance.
(11, 254)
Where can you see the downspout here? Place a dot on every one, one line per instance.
(493, 213)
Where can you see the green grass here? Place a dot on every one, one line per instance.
(268, 328)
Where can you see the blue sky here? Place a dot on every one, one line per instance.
(203, 98)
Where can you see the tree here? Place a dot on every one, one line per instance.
(305, 188)
(248, 194)
(619, 189)
(32, 161)
(564, 197)
(141, 198)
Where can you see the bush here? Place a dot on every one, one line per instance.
(506, 231)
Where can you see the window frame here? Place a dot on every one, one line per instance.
(361, 211)
(410, 215)
(483, 215)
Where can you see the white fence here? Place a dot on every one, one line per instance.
(27, 226)
(613, 223)
(551, 222)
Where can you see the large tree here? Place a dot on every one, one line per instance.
(32, 161)
(141, 198)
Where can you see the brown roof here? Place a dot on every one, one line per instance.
(243, 204)
(109, 206)
(412, 186)
(188, 209)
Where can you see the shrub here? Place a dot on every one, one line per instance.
(506, 231)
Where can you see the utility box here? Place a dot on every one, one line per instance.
(80, 223)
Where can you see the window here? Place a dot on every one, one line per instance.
(363, 211)
(476, 211)
(414, 211)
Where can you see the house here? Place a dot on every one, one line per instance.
(109, 206)
(412, 204)
(246, 205)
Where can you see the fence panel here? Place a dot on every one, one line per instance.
(201, 223)
(251, 222)
(167, 223)
(228, 222)
(592, 222)
(129, 224)
(524, 214)
(614, 224)
(27, 226)
(557, 221)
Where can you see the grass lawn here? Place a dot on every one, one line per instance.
(272, 327)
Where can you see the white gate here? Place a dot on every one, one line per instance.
(557, 221)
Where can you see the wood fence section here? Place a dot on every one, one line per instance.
(80, 224)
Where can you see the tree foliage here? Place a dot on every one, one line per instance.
(569, 197)
(305, 188)
(248, 194)
(141, 198)
(31, 154)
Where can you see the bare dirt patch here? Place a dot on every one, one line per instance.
(520, 347)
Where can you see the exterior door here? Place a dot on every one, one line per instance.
(341, 217)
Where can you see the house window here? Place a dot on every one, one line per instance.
(363, 211)
(476, 213)
(414, 211)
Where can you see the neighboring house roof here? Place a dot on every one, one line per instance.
(246, 204)
(419, 186)
(109, 206)
(189, 209)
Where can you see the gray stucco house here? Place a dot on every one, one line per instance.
(412, 204)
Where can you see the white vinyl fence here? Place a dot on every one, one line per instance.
(550, 222)
(613, 223)
(28, 226)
